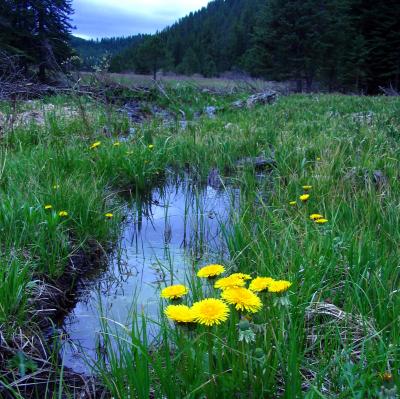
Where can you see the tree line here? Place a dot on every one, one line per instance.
(349, 45)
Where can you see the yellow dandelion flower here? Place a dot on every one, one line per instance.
(304, 197)
(322, 221)
(260, 284)
(210, 271)
(95, 145)
(292, 203)
(316, 216)
(318, 158)
(307, 187)
(210, 311)
(243, 276)
(108, 215)
(116, 144)
(174, 291)
(63, 214)
(279, 286)
(47, 207)
(230, 281)
(386, 376)
(180, 313)
(150, 146)
(242, 298)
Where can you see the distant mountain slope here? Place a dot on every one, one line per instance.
(334, 45)
(209, 41)
(91, 52)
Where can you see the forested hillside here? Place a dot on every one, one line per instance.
(335, 45)
(92, 52)
(331, 44)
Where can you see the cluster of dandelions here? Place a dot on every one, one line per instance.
(214, 311)
(316, 217)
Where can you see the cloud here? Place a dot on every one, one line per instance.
(105, 18)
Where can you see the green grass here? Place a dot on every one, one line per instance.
(351, 262)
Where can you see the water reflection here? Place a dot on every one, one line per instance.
(162, 240)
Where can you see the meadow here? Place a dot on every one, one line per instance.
(331, 332)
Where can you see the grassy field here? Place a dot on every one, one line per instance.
(333, 333)
(215, 84)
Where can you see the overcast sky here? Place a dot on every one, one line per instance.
(108, 18)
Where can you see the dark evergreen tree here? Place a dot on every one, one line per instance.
(37, 31)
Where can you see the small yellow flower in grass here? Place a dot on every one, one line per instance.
(316, 216)
(242, 298)
(95, 145)
(292, 203)
(210, 271)
(56, 186)
(386, 376)
(210, 311)
(47, 207)
(174, 291)
(307, 187)
(109, 215)
(260, 284)
(228, 282)
(279, 286)
(243, 276)
(304, 197)
(180, 313)
(63, 214)
(150, 146)
(322, 221)
(116, 144)
(318, 158)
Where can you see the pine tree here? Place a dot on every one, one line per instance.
(38, 31)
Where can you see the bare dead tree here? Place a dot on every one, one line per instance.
(389, 91)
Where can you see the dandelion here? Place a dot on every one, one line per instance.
(318, 158)
(210, 271)
(243, 276)
(304, 197)
(174, 291)
(109, 215)
(150, 146)
(316, 216)
(292, 203)
(260, 284)
(228, 282)
(279, 286)
(56, 186)
(307, 187)
(322, 221)
(242, 298)
(63, 214)
(180, 313)
(47, 207)
(95, 145)
(210, 311)
(386, 376)
(117, 144)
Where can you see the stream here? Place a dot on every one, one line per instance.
(179, 227)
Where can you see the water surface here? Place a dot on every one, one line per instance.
(178, 228)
